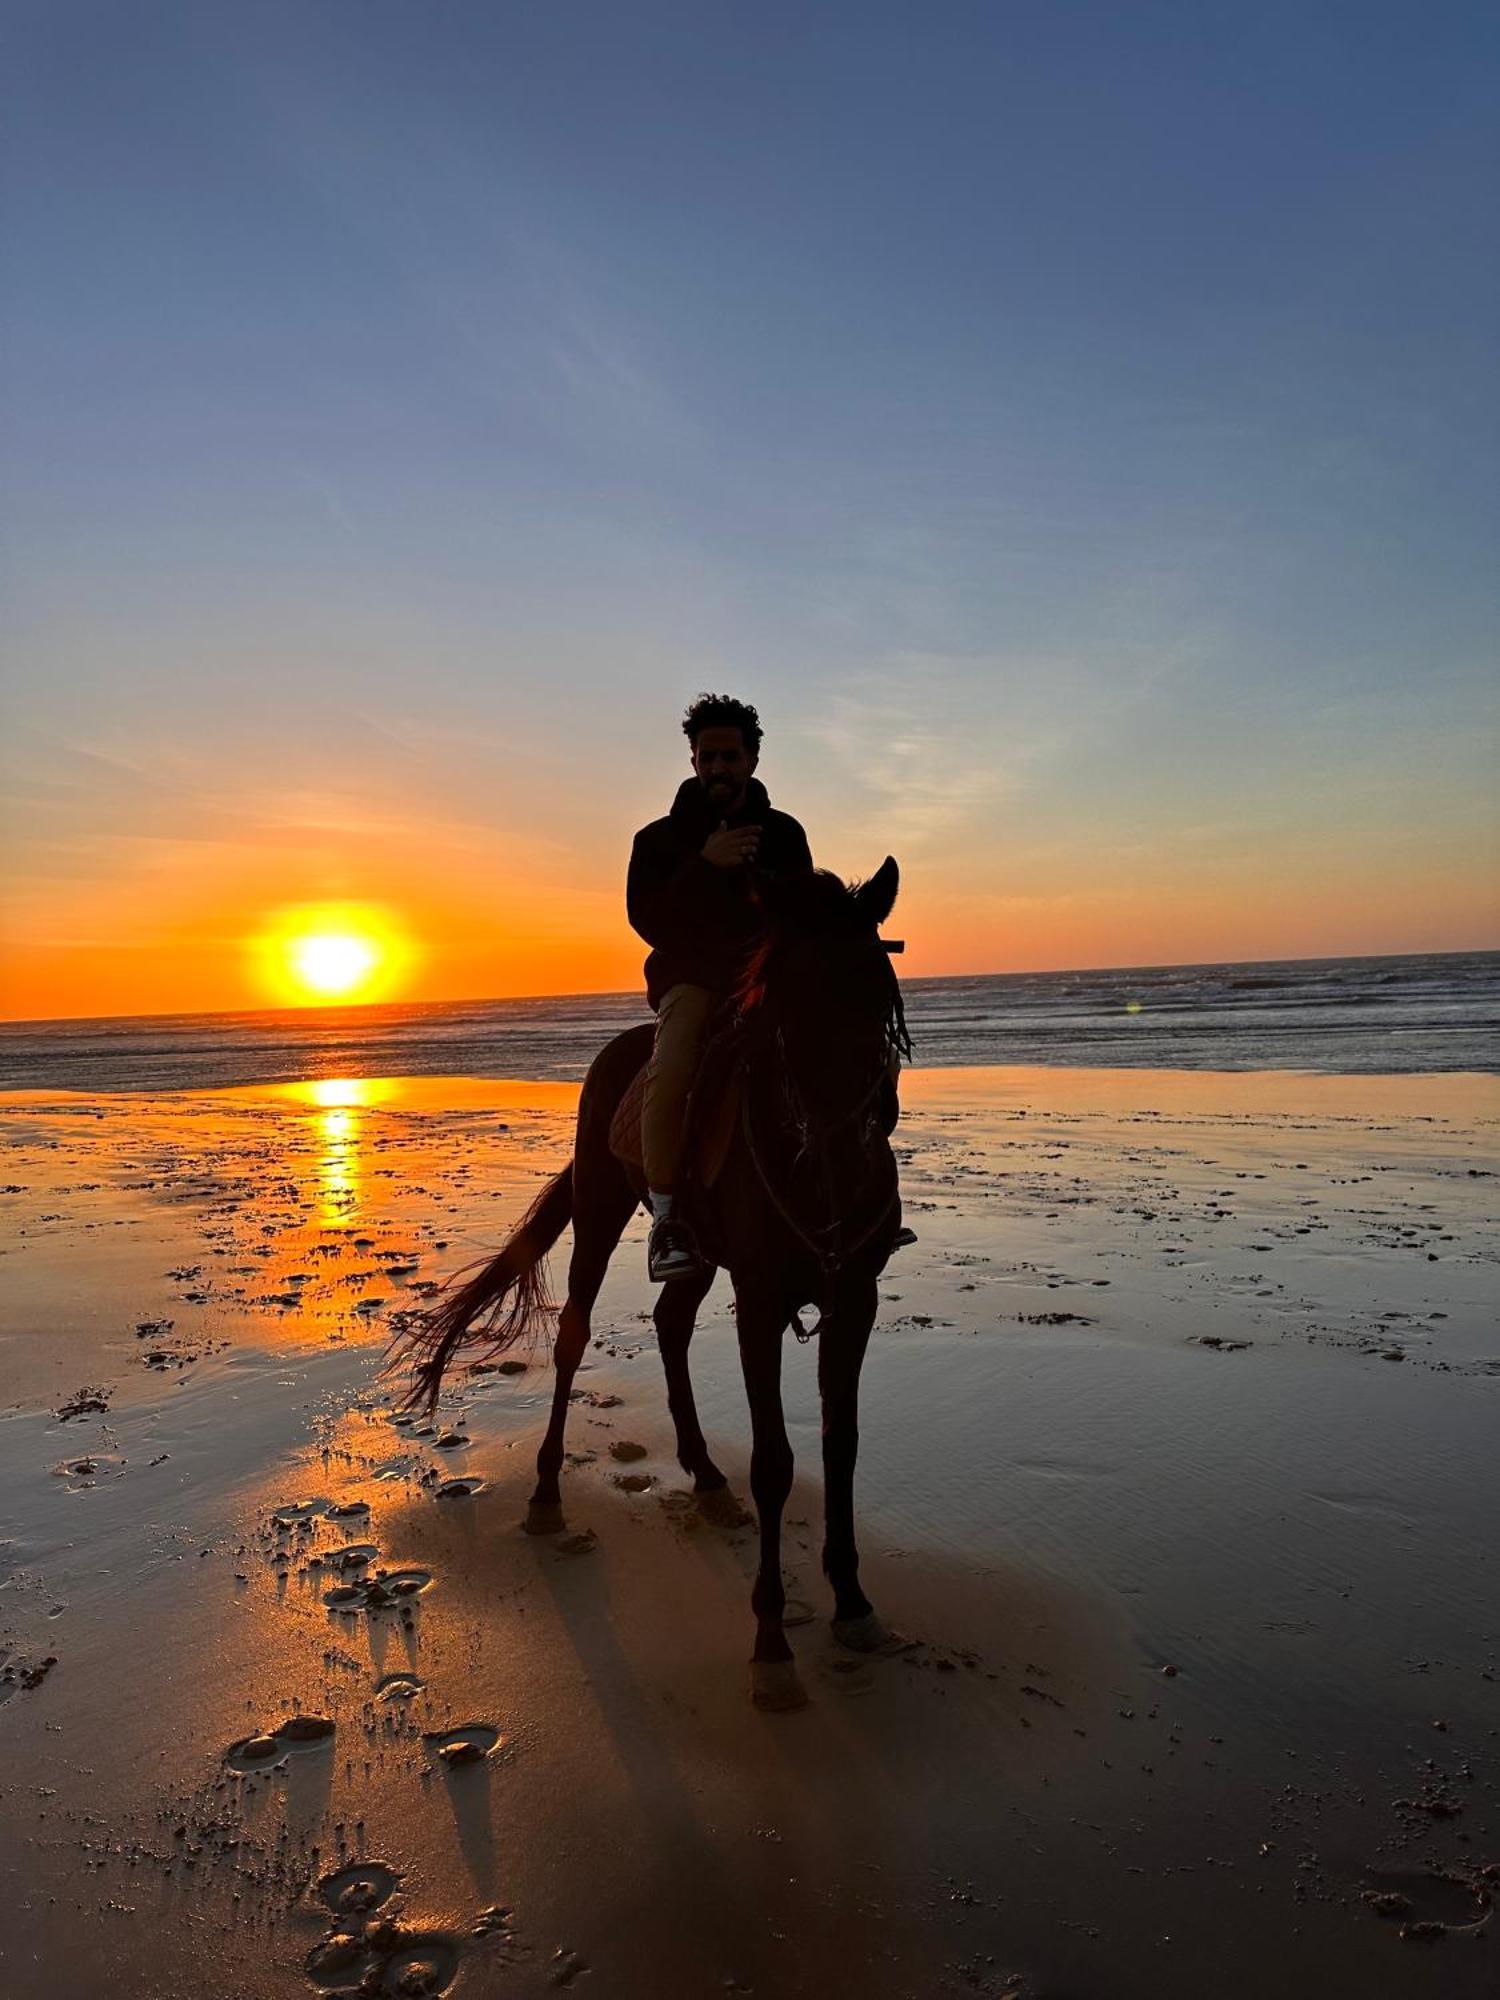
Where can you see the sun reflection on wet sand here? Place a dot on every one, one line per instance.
(296, 1215)
(338, 1188)
(338, 1102)
(341, 1093)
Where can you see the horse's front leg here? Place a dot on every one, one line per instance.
(761, 1320)
(676, 1312)
(842, 1341)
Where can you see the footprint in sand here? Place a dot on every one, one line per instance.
(625, 1451)
(304, 1729)
(384, 1958)
(342, 1963)
(386, 1590)
(349, 1510)
(420, 1967)
(846, 1676)
(256, 1753)
(84, 1473)
(634, 1482)
(582, 1544)
(470, 1743)
(1427, 1905)
(354, 1555)
(723, 1509)
(458, 1489)
(268, 1750)
(295, 1511)
(398, 1687)
(397, 1585)
(391, 1469)
(358, 1889)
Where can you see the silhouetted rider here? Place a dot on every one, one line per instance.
(688, 895)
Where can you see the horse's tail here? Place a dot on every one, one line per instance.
(504, 1302)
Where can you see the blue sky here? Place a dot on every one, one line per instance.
(1074, 425)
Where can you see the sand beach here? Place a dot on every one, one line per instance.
(960, 536)
(1178, 1463)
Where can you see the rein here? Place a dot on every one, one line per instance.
(831, 1256)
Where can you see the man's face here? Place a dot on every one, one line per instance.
(723, 765)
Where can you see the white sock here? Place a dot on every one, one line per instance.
(661, 1204)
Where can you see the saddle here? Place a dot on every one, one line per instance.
(713, 1112)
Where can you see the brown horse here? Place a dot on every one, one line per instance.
(805, 1209)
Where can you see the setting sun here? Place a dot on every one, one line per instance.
(334, 964)
(318, 954)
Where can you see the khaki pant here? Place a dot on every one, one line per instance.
(681, 1024)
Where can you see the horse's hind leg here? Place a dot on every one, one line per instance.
(602, 1206)
(676, 1311)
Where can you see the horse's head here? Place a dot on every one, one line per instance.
(821, 977)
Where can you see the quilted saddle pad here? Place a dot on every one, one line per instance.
(714, 1125)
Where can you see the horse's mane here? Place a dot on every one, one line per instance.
(812, 907)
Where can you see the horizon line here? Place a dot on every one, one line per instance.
(20, 1022)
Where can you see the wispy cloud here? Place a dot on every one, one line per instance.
(890, 736)
(929, 740)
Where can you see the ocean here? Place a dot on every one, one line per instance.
(1366, 1016)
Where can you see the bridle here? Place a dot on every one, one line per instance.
(824, 1241)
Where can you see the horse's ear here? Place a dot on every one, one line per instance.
(876, 898)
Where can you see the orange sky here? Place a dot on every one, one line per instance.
(162, 907)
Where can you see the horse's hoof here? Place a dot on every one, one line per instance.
(720, 1506)
(544, 1517)
(870, 1635)
(776, 1686)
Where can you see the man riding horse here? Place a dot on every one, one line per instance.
(689, 896)
(803, 1204)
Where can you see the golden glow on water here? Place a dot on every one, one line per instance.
(338, 1104)
(319, 954)
(338, 1166)
(341, 1093)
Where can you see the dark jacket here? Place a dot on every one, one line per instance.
(699, 919)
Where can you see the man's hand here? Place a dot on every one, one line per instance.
(728, 848)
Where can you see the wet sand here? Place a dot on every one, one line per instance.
(1178, 1458)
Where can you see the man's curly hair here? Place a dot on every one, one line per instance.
(722, 711)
